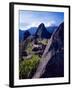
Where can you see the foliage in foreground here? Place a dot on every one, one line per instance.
(28, 67)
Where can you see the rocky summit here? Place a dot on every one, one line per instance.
(42, 32)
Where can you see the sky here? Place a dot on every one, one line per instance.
(28, 19)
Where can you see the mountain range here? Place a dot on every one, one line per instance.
(40, 31)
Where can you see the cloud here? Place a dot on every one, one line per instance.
(25, 26)
(50, 23)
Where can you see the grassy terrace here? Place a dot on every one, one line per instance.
(44, 41)
(28, 67)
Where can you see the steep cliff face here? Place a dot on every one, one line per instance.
(52, 62)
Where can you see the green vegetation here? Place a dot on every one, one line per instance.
(28, 64)
(28, 67)
(29, 47)
(44, 41)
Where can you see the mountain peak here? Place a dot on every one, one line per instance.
(42, 25)
(42, 32)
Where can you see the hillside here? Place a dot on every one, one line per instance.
(52, 61)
